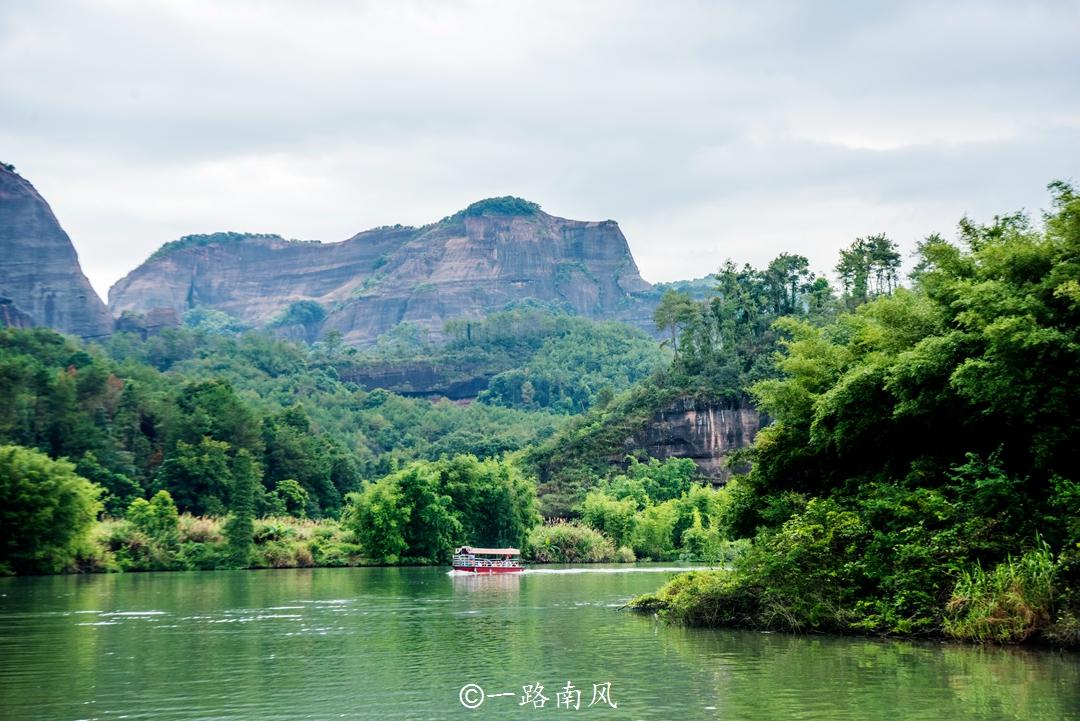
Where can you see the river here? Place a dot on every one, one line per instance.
(401, 643)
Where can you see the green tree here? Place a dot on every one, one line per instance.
(868, 268)
(672, 312)
(292, 498)
(240, 526)
(46, 511)
(494, 502)
(654, 532)
(198, 476)
(615, 518)
(119, 489)
(377, 516)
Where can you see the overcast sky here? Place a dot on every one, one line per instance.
(707, 130)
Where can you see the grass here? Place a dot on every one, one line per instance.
(1008, 604)
(200, 544)
(569, 542)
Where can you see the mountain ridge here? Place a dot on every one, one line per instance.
(40, 275)
(468, 264)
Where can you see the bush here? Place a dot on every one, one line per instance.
(625, 554)
(274, 554)
(567, 542)
(46, 511)
(204, 556)
(654, 532)
(267, 530)
(1006, 605)
(133, 549)
(200, 529)
(704, 598)
(157, 518)
(614, 518)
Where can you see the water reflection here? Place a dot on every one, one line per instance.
(391, 643)
(499, 584)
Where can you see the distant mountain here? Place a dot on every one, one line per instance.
(472, 263)
(41, 282)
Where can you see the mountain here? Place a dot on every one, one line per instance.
(477, 261)
(41, 282)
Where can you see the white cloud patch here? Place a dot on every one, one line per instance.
(707, 130)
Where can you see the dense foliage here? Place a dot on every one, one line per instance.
(919, 475)
(156, 538)
(505, 205)
(179, 410)
(661, 511)
(46, 511)
(422, 512)
(529, 356)
(199, 240)
(721, 343)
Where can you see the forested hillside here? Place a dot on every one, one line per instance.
(529, 356)
(919, 475)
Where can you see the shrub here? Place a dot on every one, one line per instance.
(704, 598)
(568, 542)
(200, 529)
(615, 518)
(654, 532)
(204, 556)
(157, 518)
(1006, 605)
(46, 511)
(133, 549)
(267, 530)
(274, 554)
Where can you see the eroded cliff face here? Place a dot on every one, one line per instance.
(457, 382)
(704, 431)
(40, 274)
(465, 266)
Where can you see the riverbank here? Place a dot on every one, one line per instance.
(200, 543)
(1010, 605)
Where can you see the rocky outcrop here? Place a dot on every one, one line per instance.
(458, 382)
(465, 266)
(39, 269)
(12, 317)
(146, 325)
(702, 430)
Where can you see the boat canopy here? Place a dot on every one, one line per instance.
(489, 551)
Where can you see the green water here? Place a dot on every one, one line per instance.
(399, 643)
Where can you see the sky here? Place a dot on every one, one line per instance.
(707, 130)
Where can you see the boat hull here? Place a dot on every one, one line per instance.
(486, 570)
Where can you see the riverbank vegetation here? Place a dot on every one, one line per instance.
(919, 475)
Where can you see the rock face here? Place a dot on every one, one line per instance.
(40, 274)
(465, 266)
(703, 431)
(459, 382)
(12, 317)
(146, 325)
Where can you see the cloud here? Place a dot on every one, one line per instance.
(708, 130)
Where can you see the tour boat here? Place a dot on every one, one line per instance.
(487, 560)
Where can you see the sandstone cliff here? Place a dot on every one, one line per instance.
(467, 265)
(704, 431)
(40, 274)
(457, 382)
